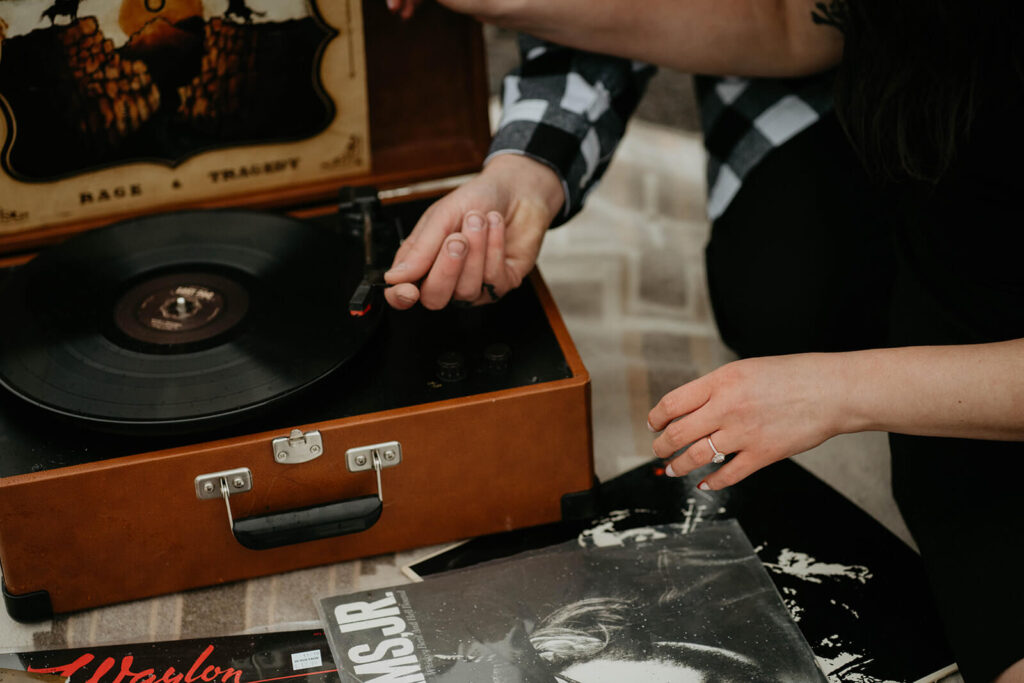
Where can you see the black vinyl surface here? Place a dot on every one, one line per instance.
(68, 355)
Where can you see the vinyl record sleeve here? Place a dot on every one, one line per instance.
(671, 608)
(296, 656)
(857, 592)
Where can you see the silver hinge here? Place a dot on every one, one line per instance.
(361, 458)
(298, 447)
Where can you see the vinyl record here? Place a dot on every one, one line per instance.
(180, 320)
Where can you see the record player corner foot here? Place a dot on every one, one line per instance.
(28, 608)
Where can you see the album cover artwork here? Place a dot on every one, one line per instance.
(669, 607)
(296, 656)
(140, 103)
(857, 592)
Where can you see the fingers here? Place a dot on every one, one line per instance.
(417, 254)
(403, 8)
(696, 455)
(409, 9)
(495, 283)
(474, 227)
(452, 258)
(678, 402)
(402, 296)
(702, 453)
(737, 469)
(680, 434)
(463, 262)
(439, 285)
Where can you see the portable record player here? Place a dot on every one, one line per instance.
(200, 382)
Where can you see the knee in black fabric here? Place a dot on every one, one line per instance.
(961, 500)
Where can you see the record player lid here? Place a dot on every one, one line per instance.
(158, 119)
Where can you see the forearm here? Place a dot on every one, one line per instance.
(728, 37)
(969, 391)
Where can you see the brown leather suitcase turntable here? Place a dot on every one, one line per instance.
(199, 381)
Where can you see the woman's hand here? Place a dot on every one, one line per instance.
(480, 241)
(761, 409)
(484, 10)
(767, 409)
(403, 8)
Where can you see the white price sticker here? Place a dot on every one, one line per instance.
(306, 660)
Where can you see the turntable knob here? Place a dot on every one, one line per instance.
(451, 367)
(496, 358)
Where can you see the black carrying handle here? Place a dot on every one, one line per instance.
(308, 524)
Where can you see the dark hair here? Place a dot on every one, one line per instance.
(909, 86)
(611, 628)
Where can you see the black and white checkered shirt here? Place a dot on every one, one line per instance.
(568, 109)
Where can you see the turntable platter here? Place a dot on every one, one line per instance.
(180, 320)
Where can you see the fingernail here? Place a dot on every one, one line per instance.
(493, 219)
(399, 267)
(649, 427)
(405, 299)
(456, 248)
(392, 5)
(669, 471)
(475, 222)
(703, 486)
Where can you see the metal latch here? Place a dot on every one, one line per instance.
(359, 459)
(222, 485)
(298, 447)
(216, 484)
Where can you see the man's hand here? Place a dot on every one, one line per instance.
(480, 241)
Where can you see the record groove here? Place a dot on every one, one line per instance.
(180, 320)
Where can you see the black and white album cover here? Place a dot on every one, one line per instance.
(857, 592)
(670, 608)
(296, 656)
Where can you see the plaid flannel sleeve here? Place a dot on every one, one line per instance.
(745, 119)
(568, 110)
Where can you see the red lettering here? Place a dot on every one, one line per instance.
(197, 672)
(101, 670)
(191, 676)
(170, 677)
(67, 670)
(145, 676)
(126, 669)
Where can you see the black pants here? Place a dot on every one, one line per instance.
(809, 257)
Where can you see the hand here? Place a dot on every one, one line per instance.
(761, 409)
(486, 11)
(403, 8)
(481, 9)
(480, 241)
